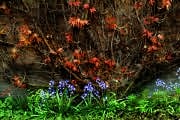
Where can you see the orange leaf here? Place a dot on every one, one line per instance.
(154, 39)
(24, 29)
(166, 4)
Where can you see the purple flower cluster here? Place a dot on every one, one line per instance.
(168, 86)
(89, 89)
(101, 84)
(51, 89)
(66, 85)
(160, 82)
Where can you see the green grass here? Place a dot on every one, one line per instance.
(161, 105)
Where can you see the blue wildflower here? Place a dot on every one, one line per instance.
(51, 89)
(65, 84)
(96, 93)
(89, 89)
(51, 83)
(84, 95)
(101, 84)
(168, 87)
(71, 89)
(160, 82)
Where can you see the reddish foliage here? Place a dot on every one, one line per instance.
(154, 39)
(24, 29)
(92, 10)
(151, 2)
(59, 50)
(123, 69)
(166, 4)
(70, 65)
(68, 37)
(74, 3)
(147, 33)
(169, 56)
(111, 22)
(86, 6)
(23, 41)
(17, 82)
(150, 19)
(110, 63)
(95, 61)
(138, 5)
(78, 54)
(77, 22)
(47, 60)
(152, 48)
(160, 36)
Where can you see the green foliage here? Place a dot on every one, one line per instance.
(161, 104)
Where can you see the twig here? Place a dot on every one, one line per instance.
(7, 44)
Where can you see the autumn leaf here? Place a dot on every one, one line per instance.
(123, 69)
(70, 65)
(95, 61)
(24, 29)
(110, 63)
(77, 22)
(154, 39)
(147, 33)
(23, 41)
(160, 36)
(138, 5)
(152, 48)
(150, 19)
(151, 2)
(68, 37)
(77, 54)
(166, 4)
(74, 3)
(86, 6)
(92, 10)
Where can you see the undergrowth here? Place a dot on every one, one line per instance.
(41, 105)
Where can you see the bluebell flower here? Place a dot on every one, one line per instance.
(169, 88)
(101, 84)
(160, 82)
(71, 89)
(84, 95)
(65, 84)
(96, 93)
(89, 87)
(89, 90)
(51, 89)
(51, 83)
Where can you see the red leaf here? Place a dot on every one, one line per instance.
(151, 2)
(147, 33)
